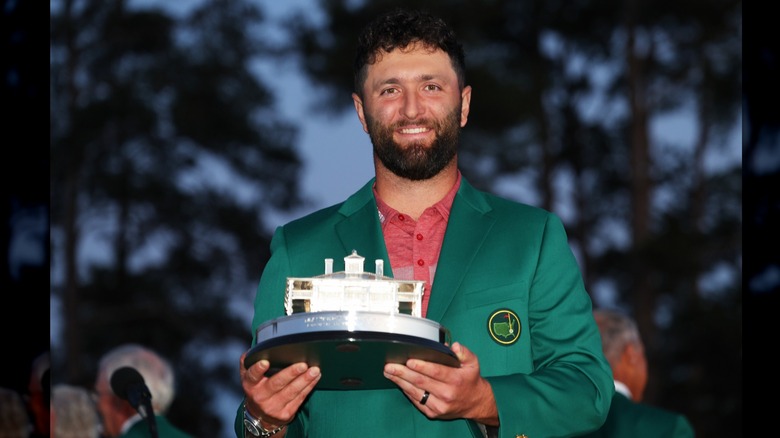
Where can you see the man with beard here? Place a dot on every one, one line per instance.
(498, 274)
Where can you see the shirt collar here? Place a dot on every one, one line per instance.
(443, 206)
(129, 423)
(623, 389)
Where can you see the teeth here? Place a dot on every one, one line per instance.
(413, 131)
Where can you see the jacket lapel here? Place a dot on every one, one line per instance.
(360, 229)
(469, 224)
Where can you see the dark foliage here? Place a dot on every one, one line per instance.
(166, 156)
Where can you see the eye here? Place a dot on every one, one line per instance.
(431, 87)
(388, 91)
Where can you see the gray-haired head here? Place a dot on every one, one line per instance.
(157, 371)
(74, 413)
(617, 330)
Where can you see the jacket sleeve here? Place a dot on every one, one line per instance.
(239, 422)
(570, 388)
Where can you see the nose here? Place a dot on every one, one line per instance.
(412, 106)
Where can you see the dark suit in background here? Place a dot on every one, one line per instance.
(628, 417)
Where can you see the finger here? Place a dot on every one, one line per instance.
(281, 395)
(413, 384)
(256, 372)
(403, 377)
(424, 374)
(295, 393)
(286, 376)
(298, 399)
(303, 384)
(401, 372)
(397, 378)
(468, 360)
(241, 368)
(289, 397)
(461, 352)
(424, 398)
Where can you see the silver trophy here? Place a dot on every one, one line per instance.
(350, 324)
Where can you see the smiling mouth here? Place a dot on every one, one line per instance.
(414, 130)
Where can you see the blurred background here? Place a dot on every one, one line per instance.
(182, 133)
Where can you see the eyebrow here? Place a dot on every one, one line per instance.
(419, 78)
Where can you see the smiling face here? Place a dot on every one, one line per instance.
(413, 109)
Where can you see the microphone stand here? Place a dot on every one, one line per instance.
(146, 411)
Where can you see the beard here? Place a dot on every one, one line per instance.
(416, 161)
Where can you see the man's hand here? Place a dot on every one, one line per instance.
(276, 399)
(454, 392)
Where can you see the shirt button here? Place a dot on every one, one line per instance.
(420, 262)
(401, 217)
(419, 237)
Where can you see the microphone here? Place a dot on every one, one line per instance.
(128, 384)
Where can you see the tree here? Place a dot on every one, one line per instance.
(166, 155)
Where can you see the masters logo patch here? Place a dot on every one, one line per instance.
(504, 326)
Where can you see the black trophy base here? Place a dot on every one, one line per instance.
(348, 359)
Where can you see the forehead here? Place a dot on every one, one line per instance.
(409, 63)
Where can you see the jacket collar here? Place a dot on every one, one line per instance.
(470, 221)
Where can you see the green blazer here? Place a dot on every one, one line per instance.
(164, 429)
(637, 420)
(498, 257)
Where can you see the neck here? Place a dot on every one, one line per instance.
(413, 197)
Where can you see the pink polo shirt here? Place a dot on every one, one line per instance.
(414, 246)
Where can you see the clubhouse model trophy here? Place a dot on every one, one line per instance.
(350, 324)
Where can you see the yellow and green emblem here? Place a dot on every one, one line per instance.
(504, 326)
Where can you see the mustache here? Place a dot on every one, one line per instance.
(427, 123)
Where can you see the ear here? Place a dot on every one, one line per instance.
(635, 372)
(633, 355)
(465, 105)
(360, 111)
(625, 363)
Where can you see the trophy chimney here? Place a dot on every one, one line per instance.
(328, 266)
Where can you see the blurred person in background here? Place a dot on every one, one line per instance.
(628, 416)
(73, 413)
(39, 395)
(14, 420)
(119, 417)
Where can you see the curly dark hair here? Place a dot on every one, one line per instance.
(400, 28)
